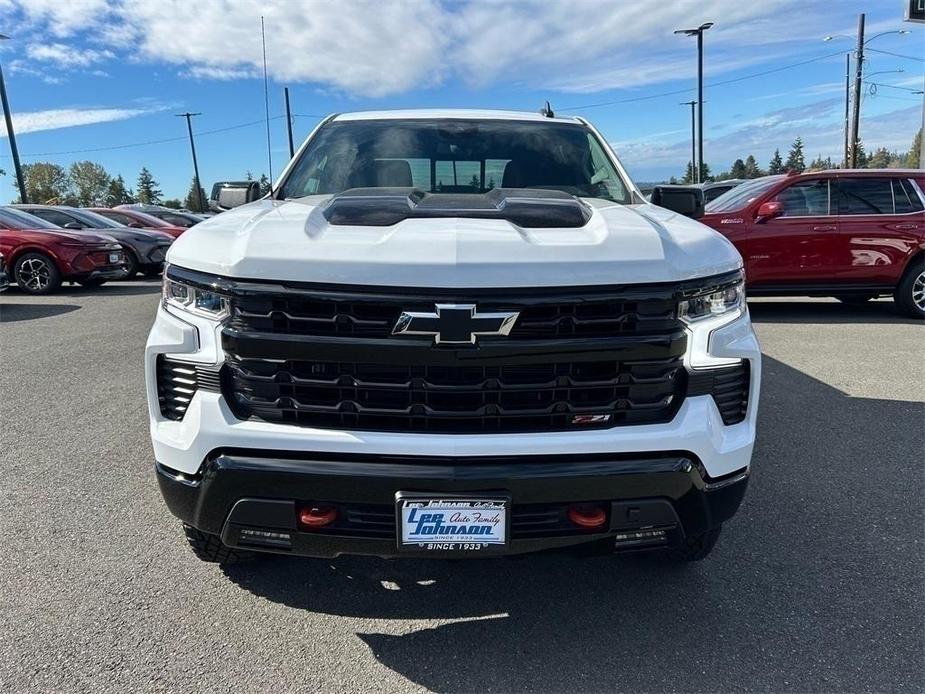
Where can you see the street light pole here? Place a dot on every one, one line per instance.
(289, 123)
(8, 116)
(192, 145)
(698, 32)
(693, 136)
(858, 75)
(847, 102)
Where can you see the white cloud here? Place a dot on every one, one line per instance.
(54, 119)
(67, 56)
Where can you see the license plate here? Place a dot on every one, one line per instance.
(115, 258)
(452, 524)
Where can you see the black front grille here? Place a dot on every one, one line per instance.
(178, 381)
(450, 399)
(330, 314)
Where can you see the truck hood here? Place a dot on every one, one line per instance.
(292, 241)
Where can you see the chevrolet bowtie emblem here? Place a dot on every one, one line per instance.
(455, 323)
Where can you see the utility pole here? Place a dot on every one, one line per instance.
(693, 138)
(847, 102)
(189, 126)
(858, 76)
(8, 116)
(289, 123)
(698, 32)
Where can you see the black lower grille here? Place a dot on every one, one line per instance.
(729, 387)
(457, 399)
(178, 381)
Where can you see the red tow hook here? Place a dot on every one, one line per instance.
(587, 516)
(317, 516)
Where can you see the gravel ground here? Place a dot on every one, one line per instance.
(815, 586)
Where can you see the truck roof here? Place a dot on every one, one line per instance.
(452, 113)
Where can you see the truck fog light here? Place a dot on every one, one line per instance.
(317, 516)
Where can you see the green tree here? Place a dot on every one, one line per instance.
(882, 158)
(688, 173)
(117, 194)
(738, 169)
(913, 158)
(173, 203)
(752, 170)
(776, 165)
(149, 191)
(264, 184)
(795, 160)
(89, 181)
(193, 201)
(46, 183)
(861, 160)
(248, 176)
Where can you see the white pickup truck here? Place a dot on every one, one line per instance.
(449, 333)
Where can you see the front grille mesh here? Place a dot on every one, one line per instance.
(452, 399)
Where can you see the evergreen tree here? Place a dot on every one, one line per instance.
(913, 157)
(738, 169)
(689, 173)
(795, 160)
(193, 201)
(264, 184)
(116, 194)
(882, 158)
(248, 176)
(705, 173)
(90, 182)
(172, 203)
(752, 170)
(149, 192)
(776, 165)
(861, 162)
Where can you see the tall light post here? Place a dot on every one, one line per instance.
(693, 136)
(200, 202)
(20, 180)
(698, 32)
(847, 103)
(858, 78)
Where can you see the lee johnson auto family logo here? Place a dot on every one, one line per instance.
(435, 523)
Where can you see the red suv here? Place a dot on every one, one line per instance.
(40, 255)
(851, 234)
(139, 220)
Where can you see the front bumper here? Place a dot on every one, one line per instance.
(251, 498)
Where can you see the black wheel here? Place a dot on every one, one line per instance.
(209, 547)
(36, 273)
(854, 300)
(695, 547)
(90, 284)
(131, 265)
(910, 293)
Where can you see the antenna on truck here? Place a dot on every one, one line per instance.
(547, 111)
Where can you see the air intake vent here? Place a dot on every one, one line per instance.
(178, 381)
(729, 388)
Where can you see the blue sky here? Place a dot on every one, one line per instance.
(107, 75)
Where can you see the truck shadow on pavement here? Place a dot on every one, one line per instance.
(12, 313)
(815, 585)
(827, 312)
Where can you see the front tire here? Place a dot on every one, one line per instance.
(694, 547)
(209, 548)
(36, 273)
(131, 265)
(910, 293)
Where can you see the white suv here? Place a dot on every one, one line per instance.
(447, 333)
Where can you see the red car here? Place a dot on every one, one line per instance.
(139, 220)
(851, 234)
(40, 255)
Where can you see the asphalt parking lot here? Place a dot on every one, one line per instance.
(815, 586)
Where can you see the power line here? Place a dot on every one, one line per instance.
(713, 84)
(897, 55)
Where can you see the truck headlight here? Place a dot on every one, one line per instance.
(716, 301)
(196, 300)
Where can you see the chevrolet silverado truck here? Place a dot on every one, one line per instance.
(452, 334)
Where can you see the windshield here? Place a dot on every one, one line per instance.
(97, 221)
(742, 195)
(17, 219)
(455, 156)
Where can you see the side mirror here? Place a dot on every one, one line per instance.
(73, 225)
(769, 210)
(685, 200)
(234, 195)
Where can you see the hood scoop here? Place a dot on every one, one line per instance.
(529, 208)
